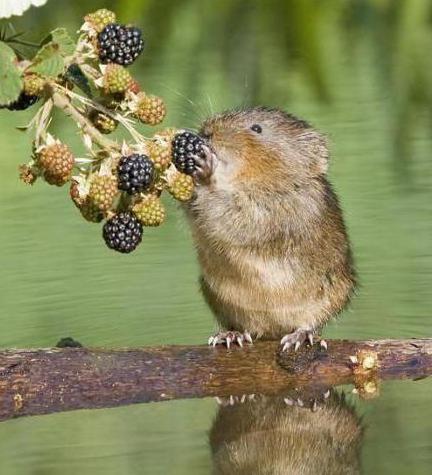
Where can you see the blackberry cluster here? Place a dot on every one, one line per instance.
(185, 146)
(23, 102)
(123, 232)
(135, 173)
(120, 44)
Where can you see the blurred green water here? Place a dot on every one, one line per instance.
(58, 279)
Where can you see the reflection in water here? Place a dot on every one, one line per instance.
(267, 436)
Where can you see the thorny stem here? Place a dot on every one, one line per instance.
(64, 103)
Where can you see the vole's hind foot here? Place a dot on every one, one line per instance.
(205, 166)
(233, 400)
(230, 337)
(299, 337)
(313, 404)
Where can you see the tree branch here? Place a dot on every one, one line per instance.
(52, 380)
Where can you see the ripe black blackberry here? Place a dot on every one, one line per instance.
(135, 173)
(185, 146)
(120, 44)
(123, 232)
(23, 102)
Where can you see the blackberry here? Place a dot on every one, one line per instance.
(56, 161)
(185, 146)
(116, 79)
(160, 152)
(33, 85)
(150, 110)
(103, 190)
(180, 186)
(100, 19)
(23, 102)
(120, 44)
(135, 173)
(150, 211)
(103, 122)
(123, 232)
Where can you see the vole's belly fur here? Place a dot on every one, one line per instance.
(264, 291)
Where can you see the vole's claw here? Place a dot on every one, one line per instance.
(233, 400)
(296, 339)
(323, 344)
(227, 338)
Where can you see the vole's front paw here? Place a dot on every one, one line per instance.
(298, 337)
(205, 166)
(228, 337)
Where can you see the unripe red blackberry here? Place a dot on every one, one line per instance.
(119, 44)
(56, 162)
(186, 146)
(103, 190)
(160, 152)
(135, 173)
(150, 211)
(123, 232)
(23, 102)
(33, 85)
(150, 109)
(103, 122)
(116, 79)
(100, 19)
(135, 87)
(180, 186)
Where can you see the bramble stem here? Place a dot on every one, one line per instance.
(64, 104)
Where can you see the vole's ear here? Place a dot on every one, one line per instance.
(316, 148)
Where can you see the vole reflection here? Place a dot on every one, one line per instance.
(267, 436)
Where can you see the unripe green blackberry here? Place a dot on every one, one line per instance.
(103, 190)
(89, 211)
(123, 232)
(160, 153)
(103, 122)
(56, 162)
(150, 109)
(150, 211)
(180, 186)
(100, 19)
(116, 79)
(33, 85)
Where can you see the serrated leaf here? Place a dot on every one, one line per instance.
(75, 75)
(48, 61)
(61, 37)
(11, 83)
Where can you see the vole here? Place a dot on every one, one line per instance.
(269, 232)
(265, 436)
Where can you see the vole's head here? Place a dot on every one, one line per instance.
(265, 145)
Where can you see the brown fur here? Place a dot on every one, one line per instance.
(267, 437)
(268, 228)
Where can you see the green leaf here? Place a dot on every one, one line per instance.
(11, 83)
(61, 38)
(48, 62)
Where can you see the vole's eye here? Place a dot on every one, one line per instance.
(256, 128)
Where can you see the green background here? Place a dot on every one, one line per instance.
(361, 72)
